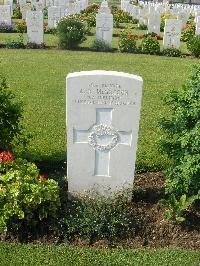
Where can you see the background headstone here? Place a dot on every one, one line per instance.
(172, 33)
(5, 14)
(154, 23)
(104, 24)
(54, 15)
(35, 27)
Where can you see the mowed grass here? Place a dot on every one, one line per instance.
(16, 254)
(38, 78)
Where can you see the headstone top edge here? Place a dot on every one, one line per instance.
(104, 73)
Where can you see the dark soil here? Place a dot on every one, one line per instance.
(151, 230)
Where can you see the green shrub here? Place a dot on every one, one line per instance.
(26, 198)
(150, 45)
(193, 45)
(91, 9)
(101, 46)
(16, 44)
(163, 17)
(120, 16)
(127, 42)
(71, 32)
(181, 141)
(176, 208)
(10, 116)
(93, 216)
(17, 13)
(142, 26)
(32, 45)
(5, 28)
(171, 52)
(20, 26)
(187, 33)
(90, 20)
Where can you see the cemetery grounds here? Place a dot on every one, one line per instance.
(38, 78)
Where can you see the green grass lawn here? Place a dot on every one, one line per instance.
(38, 77)
(12, 254)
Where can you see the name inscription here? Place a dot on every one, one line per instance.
(106, 94)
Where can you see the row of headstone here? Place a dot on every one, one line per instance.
(148, 11)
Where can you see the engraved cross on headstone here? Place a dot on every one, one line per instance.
(102, 137)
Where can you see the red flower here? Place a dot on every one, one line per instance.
(129, 34)
(6, 156)
(42, 178)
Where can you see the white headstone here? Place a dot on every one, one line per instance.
(35, 27)
(103, 112)
(197, 26)
(183, 16)
(22, 3)
(54, 15)
(5, 15)
(9, 3)
(104, 27)
(24, 9)
(172, 33)
(39, 6)
(154, 23)
(49, 3)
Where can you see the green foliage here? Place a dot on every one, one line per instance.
(182, 140)
(193, 45)
(120, 16)
(93, 216)
(163, 17)
(176, 208)
(16, 44)
(45, 13)
(20, 26)
(93, 8)
(187, 33)
(127, 42)
(150, 45)
(71, 32)
(171, 52)
(10, 116)
(142, 26)
(17, 13)
(26, 198)
(101, 46)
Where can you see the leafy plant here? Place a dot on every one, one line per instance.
(171, 52)
(20, 26)
(93, 216)
(150, 45)
(32, 45)
(71, 32)
(175, 208)
(101, 46)
(10, 116)
(127, 42)
(187, 33)
(142, 26)
(193, 45)
(181, 141)
(6, 28)
(17, 13)
(26, 198)
(16, 44)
